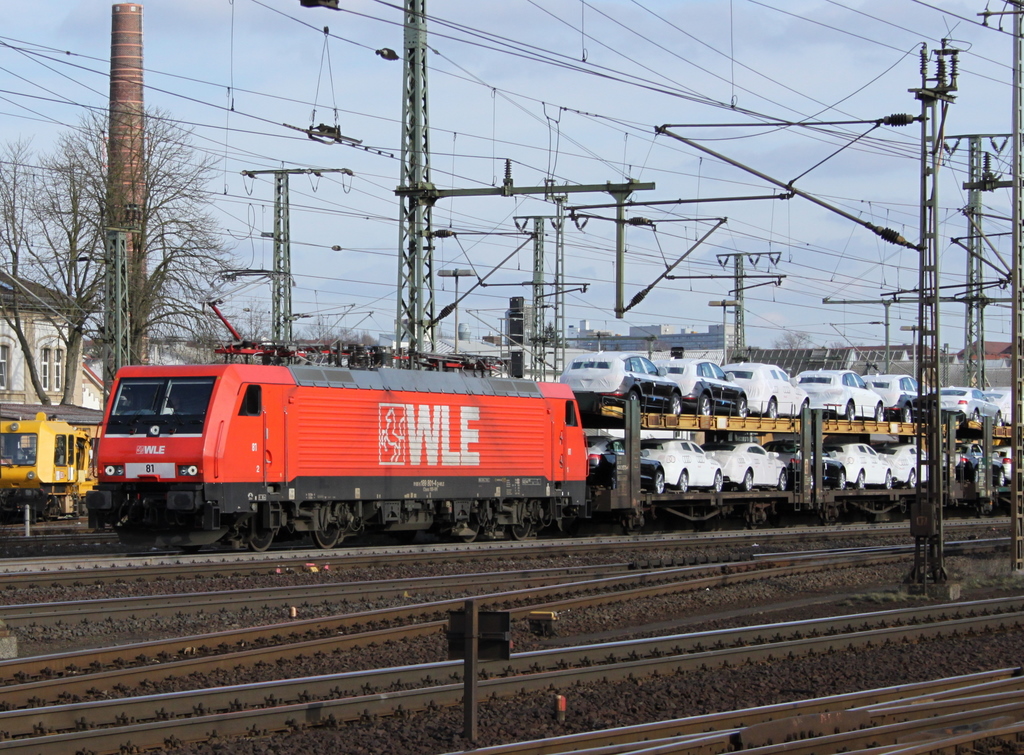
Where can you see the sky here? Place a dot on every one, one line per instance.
(569, 92)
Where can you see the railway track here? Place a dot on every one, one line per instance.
(314, 598)
(58, 570)
(152, 720)
(925, 711)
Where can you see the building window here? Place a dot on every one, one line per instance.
(51, 369)
(5, 355)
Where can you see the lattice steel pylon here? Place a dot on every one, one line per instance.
(413, 324)
(281, 318)
(982, 179)
(1017, 284)
(281, 283)
(117, 312)
(926, 512)
(974, 317)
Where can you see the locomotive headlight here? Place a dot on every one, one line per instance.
(31, 476)
(188, 471)
(113, 470)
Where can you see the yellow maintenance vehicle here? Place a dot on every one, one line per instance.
(46, 466)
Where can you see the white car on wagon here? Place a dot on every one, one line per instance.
(769, 390)
(864, 466)
(842, 392)
(903, 461)
(747, 465)
(685, 463)
(898, 392)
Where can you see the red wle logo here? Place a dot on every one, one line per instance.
(411, 435)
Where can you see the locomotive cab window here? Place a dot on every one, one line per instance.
(60, 450)
(252, 402)
(18, 449)
(176, 402)
(570, 414)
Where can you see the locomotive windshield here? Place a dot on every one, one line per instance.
(18, 449)
(179, 403)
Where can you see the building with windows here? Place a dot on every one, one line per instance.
(31, 311)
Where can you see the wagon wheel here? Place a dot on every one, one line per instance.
(633, 523)
(260, 539)
(755, 517)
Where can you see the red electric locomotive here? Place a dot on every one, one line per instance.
(246, 454)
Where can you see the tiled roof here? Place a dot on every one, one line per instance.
(75, 415)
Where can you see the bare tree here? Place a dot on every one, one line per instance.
(53, 234)
(793, 339)
(69, 254)
(28, 309)
(180, 251)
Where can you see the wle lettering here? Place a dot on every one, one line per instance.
(411, 435)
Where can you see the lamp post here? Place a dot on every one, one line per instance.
(724, 304)
(456, 273)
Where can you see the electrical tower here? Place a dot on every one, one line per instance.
(281, 279)
(926, 512)
(537, 332)
(1017, 284)
(414, 322)
(981, 179)
(117, 330)
(739, 275)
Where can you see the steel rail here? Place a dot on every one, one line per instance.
(56, 689)
(628, 738)
(54, 570)
(281, 717)
(304, 596)
(297, 596)
(75, 672)
(557, 597)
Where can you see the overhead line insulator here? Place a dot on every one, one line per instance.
(898, 119)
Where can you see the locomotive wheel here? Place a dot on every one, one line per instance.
(327, 537)
(260, 539)
(521, 531)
